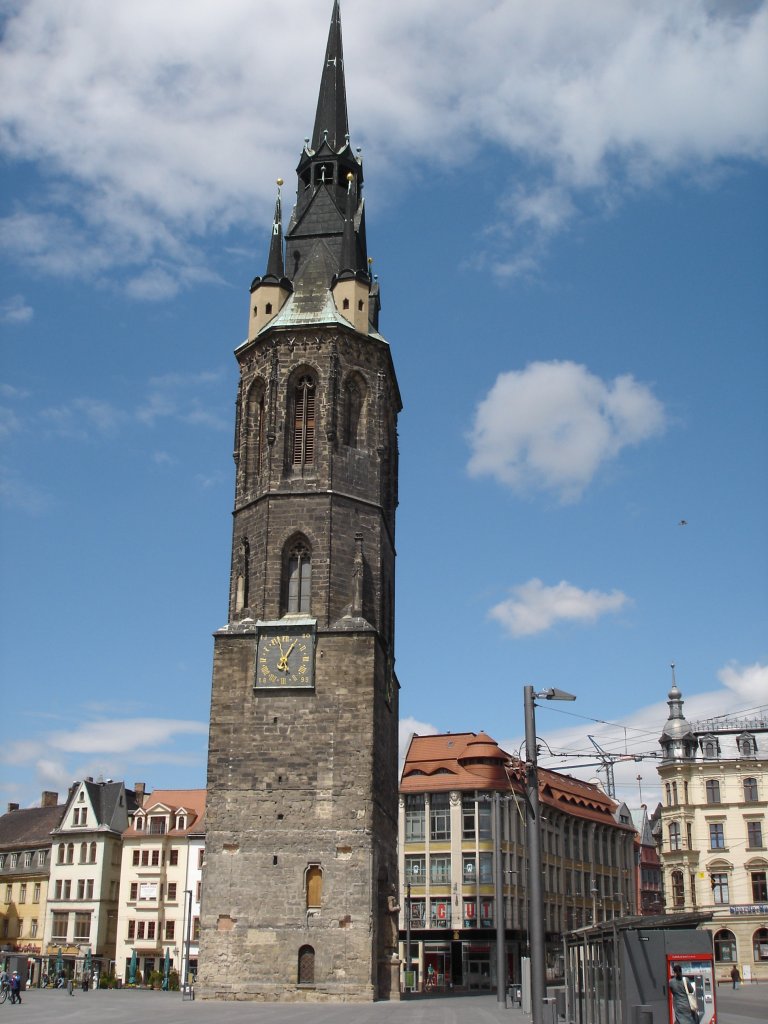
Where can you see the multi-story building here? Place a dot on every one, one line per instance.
(81, 914)
(25, 857)
(300, 869)
(713, 829)
(159, 886)
(450, 850)
(650, 883)
(194, 886)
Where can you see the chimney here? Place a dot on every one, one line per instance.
(138, 789)
(12, 807)
(49, 799)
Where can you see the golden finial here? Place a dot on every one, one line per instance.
(350, 176)
(280, 181)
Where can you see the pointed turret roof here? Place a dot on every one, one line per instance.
(331, 123)
(275, 263)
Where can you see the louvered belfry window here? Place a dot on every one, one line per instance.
(304, 421)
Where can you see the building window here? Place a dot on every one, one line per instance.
(468, 868)
(314, 886)
(60, 854)
(181, 823)
(67, 894)
(92, 858)
(89, 889)
(710, 747)
(198, 892)
(139, 929)
(155, 858)
(131, 930)
(171, 892)
(135, 858)
(713, 791)
(81, 889)
(157, 825)
(750, 791)
(82, 926)
(23, 892)
(440, 870)
(678, 889)
(306, 971)
(470, 913)
(83, 852)
(150, 929)
(746, 745)
(755, 835)
(760, 945)
(2, 861)
(674, 835)
(486, 914)
(14, 860)
(28, 859)
(759, 887)
(200, 856)
(484, 816)
(59, 926)
(195, 929)
(440, 913)
(70, 853)
(725, 946)
(255, 431)
(36, 893)
(415, 869)
(33, 928)
(486, 869)
(41, 858)
(134, 891)
(298, 579)
(716, 835)
(418, 913)
(719, 882)
(170, 931)
(173, 857)
(414, 818)
(139, 823)
(439, 817)
(303, 446)
(468, 816)
(56, 891)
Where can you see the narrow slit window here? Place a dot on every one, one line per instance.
(304, 422)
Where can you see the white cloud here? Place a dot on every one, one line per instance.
(122, 736)
(82, 417)
(17, 493)
(747, 682)
(535, 608)
(15, 310)
(552, 426)
(144, 115)
(180, 396)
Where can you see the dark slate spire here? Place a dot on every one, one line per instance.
(331, 124)
(275, 263)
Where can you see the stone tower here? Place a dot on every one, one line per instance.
(300, 873)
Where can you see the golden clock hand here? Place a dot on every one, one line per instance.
(288, 652)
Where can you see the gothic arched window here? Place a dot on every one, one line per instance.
(255, 430)
(303, 438)
(298, 579)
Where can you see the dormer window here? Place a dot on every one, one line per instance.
(139, 823)
(158, 825)
(710, 747)
(747, 745)
(181, 822)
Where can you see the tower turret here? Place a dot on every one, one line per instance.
(268, 293)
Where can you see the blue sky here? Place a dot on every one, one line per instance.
(567, 208)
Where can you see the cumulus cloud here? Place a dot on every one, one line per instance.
(180, 396)
(15, 310)
(553, 425)
(747, 682)
(534, 608)
(144, 115)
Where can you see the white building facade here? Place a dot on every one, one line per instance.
(714, 826)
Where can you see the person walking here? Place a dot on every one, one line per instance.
(683, 997)
(735, 976)
(15, 987)
(71, 986)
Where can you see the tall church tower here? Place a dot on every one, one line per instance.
(300, 873)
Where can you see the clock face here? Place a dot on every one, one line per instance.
(285, 659)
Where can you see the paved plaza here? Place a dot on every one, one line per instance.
(749, 1005)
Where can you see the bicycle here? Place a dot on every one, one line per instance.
(5, 988)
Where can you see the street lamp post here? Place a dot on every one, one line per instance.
(501, 951)
(533, 844)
